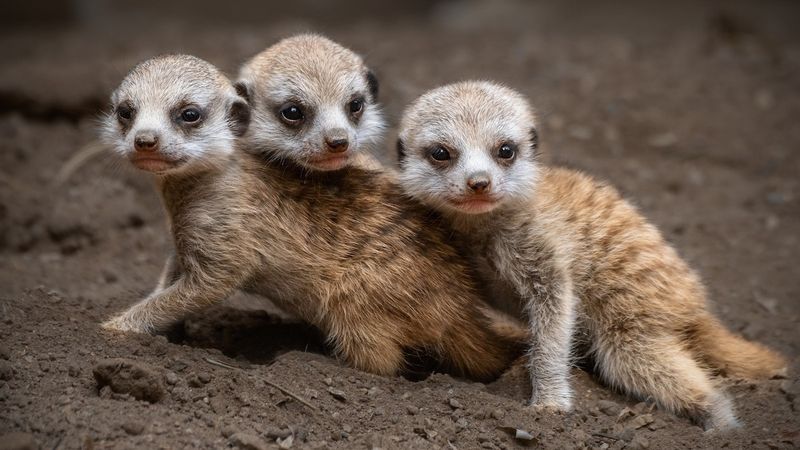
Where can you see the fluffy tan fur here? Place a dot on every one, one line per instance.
(588, 271)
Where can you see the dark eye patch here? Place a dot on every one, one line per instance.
(188, 115)
(125, 112)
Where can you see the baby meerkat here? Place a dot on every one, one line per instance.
(347, 252)
(314, 103)
(582, 262)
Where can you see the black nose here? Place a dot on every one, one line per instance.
(146, 141)
(336, 145)
(478, 184)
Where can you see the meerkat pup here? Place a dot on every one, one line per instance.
(580, 259)
(349, 253)
(315, 104)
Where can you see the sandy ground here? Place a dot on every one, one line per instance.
(690, 110)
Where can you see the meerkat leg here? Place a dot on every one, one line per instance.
(169, 274)
(663, 370)
(165, 307)
(552, 320)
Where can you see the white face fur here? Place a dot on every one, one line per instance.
(313, 103)
(468, 148)
(174, 114)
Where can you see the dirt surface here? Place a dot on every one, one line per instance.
(691, 110)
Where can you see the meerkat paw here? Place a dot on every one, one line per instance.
(125, 323)
(719, 415)
(557, 396)
(548, 410)
(552, 404)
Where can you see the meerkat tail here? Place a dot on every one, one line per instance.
(733, 355)
(665, 372)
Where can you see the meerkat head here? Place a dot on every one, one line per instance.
(468, 148)
(173, 114)
(313, 102)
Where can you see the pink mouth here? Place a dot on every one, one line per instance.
(332, 162)
(154, 163)
(475, 204)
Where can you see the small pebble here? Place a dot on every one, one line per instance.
(498, 414)
(641, 421)
(133, 428)
(455, 404)
(412, 410)
(338, 394)
(172, 379)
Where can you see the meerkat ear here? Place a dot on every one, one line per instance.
(534, 141)
(238, 117)
(243, 90)
(372, 83)
(401, 151)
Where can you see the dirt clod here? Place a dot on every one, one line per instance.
(129, 377)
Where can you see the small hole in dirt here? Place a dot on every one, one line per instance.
(253, 335)
(420, 364)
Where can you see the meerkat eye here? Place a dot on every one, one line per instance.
(506, 151)
(190, 115)
(124, 112)
(440, 154)
(292, 114)
(356, 106)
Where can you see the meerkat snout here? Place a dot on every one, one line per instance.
(336, 140)
(479, 182)
(146, 141)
